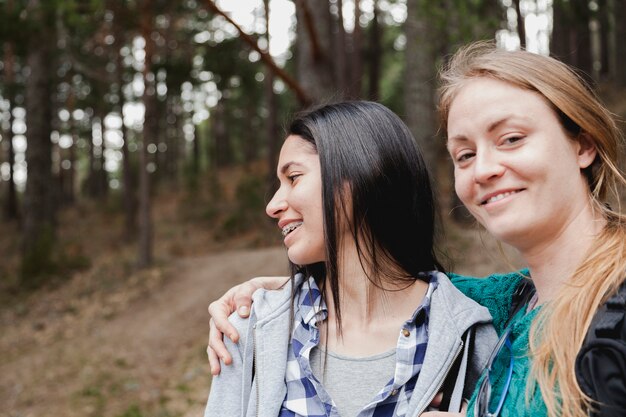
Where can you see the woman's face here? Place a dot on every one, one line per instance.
(516, 170)
(297, 205)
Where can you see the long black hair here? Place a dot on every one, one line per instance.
(374, 174)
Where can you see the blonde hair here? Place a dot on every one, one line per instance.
(559, 330)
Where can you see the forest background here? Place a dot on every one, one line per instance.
(138, 142)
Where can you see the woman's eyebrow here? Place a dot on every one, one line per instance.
(288, 165)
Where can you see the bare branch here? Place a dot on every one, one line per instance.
(265, 56)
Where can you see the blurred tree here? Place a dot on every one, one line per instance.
(123, 20)
(618, 49)
(355, 55)
(374, 55)
(521, 26)
(149, 134)
(271, 125)
(10, 207)
(420, 77)
(39, 209)
(313, 50)
(571, 34)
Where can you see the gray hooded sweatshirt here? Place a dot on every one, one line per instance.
(241, 391)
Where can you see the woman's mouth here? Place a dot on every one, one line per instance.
(290, 228)
(499, 196)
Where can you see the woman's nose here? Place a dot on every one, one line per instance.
(277, 204)
(487, 166)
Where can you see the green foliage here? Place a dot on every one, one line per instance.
(132, 411)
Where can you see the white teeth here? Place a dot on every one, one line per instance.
(290, 227)
(499, 197)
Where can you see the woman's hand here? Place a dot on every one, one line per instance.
(238, 298)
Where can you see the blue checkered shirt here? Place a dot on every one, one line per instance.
(306, 397)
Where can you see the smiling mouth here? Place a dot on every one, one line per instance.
(290, 228)
(499, 197)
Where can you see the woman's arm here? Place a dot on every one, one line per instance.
(238, 298)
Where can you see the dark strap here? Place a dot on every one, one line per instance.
(455, 380)
(609, 322)
(522, 295)
(601, 362)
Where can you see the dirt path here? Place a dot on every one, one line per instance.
(100, 347)
(146, 358)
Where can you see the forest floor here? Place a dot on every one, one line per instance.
(108, 340)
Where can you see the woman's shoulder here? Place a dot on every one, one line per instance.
(494, 291)
(494, 283)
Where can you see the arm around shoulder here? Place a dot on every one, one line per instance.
(226, 397)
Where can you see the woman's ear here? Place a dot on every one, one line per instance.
(586, 150)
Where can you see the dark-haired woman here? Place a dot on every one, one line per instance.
(367, 325)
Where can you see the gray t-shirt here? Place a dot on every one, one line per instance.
(352, 382)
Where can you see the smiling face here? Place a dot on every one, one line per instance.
(516, 170)
(297, 204)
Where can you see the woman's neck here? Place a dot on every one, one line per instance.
(554, 260)
(371, 317)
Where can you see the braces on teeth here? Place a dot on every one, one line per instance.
(286, 230)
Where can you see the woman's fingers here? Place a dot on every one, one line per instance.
(216, 350)
(220, 310)
(238, 298)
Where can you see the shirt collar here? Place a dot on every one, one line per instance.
(313, 309)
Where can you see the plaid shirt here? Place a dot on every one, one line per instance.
(306, 397)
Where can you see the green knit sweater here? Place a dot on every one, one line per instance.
(495, 292)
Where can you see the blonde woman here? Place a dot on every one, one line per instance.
(535, 159)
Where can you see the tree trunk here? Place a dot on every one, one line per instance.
(356, 55)
(39, 210)
(172, 139)
(581, 43)
(604, 18)
(195, 156)
(223, 145)
(70, 181)
(271, 125)
(250, 145)
(571, 35)
(521, 27)
(619, 42)
(375, 52)
(128, 189)
(145, 215)
(10, 208)
(419, 76)
(103, 175)
(314, 69)
(91, 175)
(68, 174)
(340, 52)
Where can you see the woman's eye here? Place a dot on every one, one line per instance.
(462, 157)
(512, 139)
(293, 177)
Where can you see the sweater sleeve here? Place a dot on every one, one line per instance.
(225, 396)
(494, 292)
